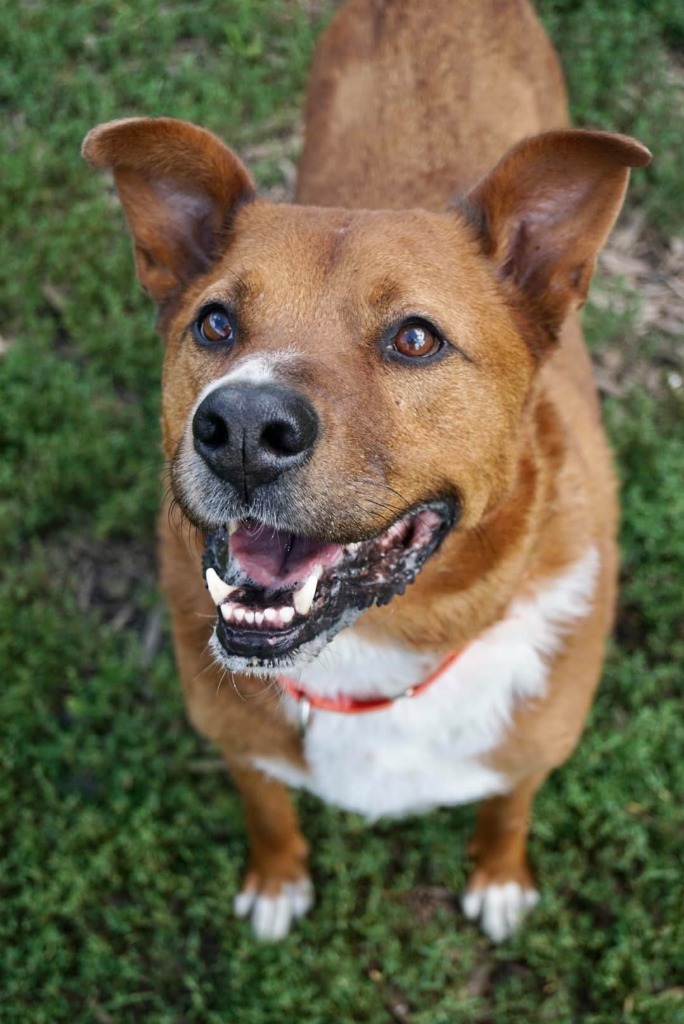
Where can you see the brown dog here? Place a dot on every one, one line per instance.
(387, 386)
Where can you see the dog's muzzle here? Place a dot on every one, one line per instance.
(281, 593)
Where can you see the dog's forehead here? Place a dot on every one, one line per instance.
(282, 250)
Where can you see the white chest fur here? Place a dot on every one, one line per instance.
(426, 752)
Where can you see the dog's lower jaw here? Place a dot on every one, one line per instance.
(298, 658)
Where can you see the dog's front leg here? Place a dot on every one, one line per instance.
(276, 888)
(501, 888)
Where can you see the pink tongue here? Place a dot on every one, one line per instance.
(276, 560)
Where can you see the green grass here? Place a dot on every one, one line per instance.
(624, 63)
(122, 840)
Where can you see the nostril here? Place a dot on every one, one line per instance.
(282, 438)
(211, 430)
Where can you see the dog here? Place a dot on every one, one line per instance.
(397, 567)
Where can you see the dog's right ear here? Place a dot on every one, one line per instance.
(178, 185)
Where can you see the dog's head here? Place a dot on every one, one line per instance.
(343, 388)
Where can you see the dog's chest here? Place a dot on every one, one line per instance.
(429, 750)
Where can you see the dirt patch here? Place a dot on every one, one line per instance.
(425, 901)
(117, 580)
(642, 279)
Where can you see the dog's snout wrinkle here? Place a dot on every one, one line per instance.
(249, 435)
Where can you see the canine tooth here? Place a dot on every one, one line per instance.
(233, 525)
(286, 614)
(249, 617)
(219, 590)
(354, 547)
(259, 618)
(304, 597)
(239, 614)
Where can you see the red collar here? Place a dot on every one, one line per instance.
(348, 705)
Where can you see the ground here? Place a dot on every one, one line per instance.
(123, 839)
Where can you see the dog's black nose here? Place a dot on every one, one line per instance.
(249, 434)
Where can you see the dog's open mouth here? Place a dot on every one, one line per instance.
(277, 591)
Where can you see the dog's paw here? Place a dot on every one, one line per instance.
(500, 908)
(274, 907)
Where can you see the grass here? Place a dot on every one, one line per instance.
(625, 69)
(123, 840)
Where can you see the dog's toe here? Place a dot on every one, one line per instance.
(272, 914)
(499, 908)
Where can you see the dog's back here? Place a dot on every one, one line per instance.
(409, 104)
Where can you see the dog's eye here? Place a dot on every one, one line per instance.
(417, 340)
(214, 327)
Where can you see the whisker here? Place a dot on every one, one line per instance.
(382, 484)
(220, 682)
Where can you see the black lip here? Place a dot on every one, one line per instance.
(344, 593)
(253, 644)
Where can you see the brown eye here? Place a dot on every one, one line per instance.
(214, 327)
(417, 340)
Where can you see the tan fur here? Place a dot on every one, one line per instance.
(409, 105)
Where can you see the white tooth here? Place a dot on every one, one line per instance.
(249, 617)
(270, 614)
(353, 548)
(304, 597)
(286, 614)
(239, 614)
(233, 525)
(219, 590)
(228, 611)
(259, 618)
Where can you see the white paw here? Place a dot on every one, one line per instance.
(272, 916)
(500, 908)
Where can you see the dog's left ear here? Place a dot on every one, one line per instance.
(544, 212)
(178, 185)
